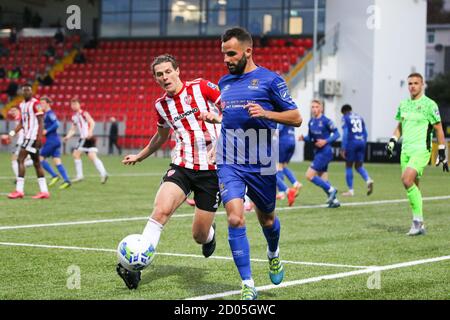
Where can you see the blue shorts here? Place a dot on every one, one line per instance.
(51, 148)
(261, 189)
(286, 152)
(355, 151)
(321, 160)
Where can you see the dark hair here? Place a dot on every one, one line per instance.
(346, 108)
(47, 99)
(75, 99)
(164, 58)
(415, 75)
(239, 33)
(27, 84)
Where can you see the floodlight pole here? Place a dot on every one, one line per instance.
(316, 14)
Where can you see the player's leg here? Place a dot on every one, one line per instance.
(43, 194)
(78, 165)
(15, 164)
(349, 178)
(62, 171)
(296, 185)
(413, 167)
(20, 180)
(92, 155)
(232, 189)
(205, 185)
(359, 167)
(46, 152)
(282, 187)
(261, 189)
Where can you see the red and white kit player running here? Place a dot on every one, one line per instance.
(85, 124)
(179, 109)
(32, 124)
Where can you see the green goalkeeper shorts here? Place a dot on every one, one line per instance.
(417, 160)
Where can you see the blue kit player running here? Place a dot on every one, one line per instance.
(254, 100)
(52, 146)
(322, 132)
(354, 139)
(286, 141)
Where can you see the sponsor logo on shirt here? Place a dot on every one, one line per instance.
(185, 114)
(254, 84)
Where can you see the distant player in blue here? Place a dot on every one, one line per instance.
(254, 100)
(52, 146)
(286, 141)
(322, 132)
(354, 139)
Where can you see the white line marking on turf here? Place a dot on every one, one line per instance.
(46, 246)
(183, 215)
(325, 277)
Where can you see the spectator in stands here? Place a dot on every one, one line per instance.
(26, 17)
(2, 73)
(46, 80)
(80, 58)
(11, 91)
(264, 41)
(113, 135)
(4, 51)
(59, 36)
(50, 51)
(15, 73)
(36, 20)
(13, 35)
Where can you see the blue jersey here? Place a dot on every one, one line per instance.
(353, 130)
(51, 125)
(322, 128)
(260, 86)
(286, 134)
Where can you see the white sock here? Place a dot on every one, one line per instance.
(332, 189)
(152, 232)
(20, 184)
(249, 283)
(79, 168)
(210, 235)
(28, 162)
(271, 254)
(42, 184)
(15, 167)
(99, 165)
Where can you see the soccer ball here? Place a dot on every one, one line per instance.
(135, 253)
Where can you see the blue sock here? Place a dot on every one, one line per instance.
(325, 185)
(349, 177)
(272, 235)
(289, 175)
(48, 168)
(363, 172)
(240, 249)
(282, 187)
(63, 172)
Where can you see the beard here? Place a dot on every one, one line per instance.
(239, 67)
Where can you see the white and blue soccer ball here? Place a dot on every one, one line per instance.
(135, 253)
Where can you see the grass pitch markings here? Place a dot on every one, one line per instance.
(185, 255)
(325, 277)
(184, 215)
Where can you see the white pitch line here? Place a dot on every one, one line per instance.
(186, 255)
(183, 215)
(325, 277)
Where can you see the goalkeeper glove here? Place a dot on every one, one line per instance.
(441, 158)
(390, 146)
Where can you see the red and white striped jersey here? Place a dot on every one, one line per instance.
(194, 137)
(79, 119)
(29, 111)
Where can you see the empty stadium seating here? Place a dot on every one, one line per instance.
(117, 80)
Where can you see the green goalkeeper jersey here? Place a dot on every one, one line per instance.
(417, 118)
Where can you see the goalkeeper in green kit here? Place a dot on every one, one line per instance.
(417, 117)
